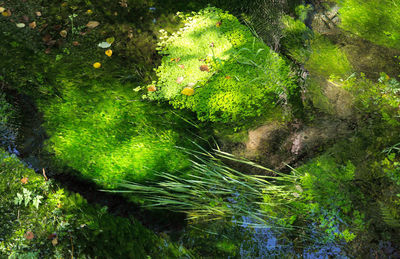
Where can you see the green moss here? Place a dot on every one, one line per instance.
(327, 59)
(241, 78)
(296, 39)
(105, 131)
(63, 224)
(375, 20)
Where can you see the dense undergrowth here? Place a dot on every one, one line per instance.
(46, 221)
(84, 65)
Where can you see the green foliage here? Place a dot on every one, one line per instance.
(375, 20)
(241, 77)
(328, 192)
(390, 205)
(372, 97)
(105, 131)
(213, 190)
(63, 224)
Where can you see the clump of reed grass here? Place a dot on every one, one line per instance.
(212, 190)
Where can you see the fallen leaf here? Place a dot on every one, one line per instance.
(97, 65)
(6, 13)
(179, 79)
(181, 66)
(92, 24)
(44, 175)
(51, 236)
(110, 40)
(191, 84)
(104, 45)
(47, 51)
(54, 241)
(109, 52)
(188, 91)
(57, 27)
(2, 9)
(123, 3)
(46, 38)
(59, 205)
(75, 43)
(177, 60)
(218, 24)
(228, 77)
(51, 43)
(89, 11)
(151, 88)
(38, 14)
(63, 33)
(32, 25)
(26, 18)
(24, 180)
(29, 235)
(20, 25)
(204, 68)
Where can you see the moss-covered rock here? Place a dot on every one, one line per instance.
(233, 74)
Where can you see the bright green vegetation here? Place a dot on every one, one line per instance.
(378, 96)
(215, 67)
(320, 56)
(327, 59)
(212, 186)
(98, 122)
(375, 20)
(46, 221)
(319, 192)
(105, 131)
(327, 187)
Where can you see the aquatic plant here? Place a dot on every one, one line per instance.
(374, 20)
(233, 74)
(106, 132)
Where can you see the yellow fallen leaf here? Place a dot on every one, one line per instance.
(54, 241)
(24, 180)
(29, 235)
(188, 91)
(63, 33)
(6, 13)
(109, 52)
(89, 11)
(2, 9)
(32, 25)
(92, 24)
(97, 65)
(38, 13)
(151, 88)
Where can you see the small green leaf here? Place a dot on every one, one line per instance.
(110, 40)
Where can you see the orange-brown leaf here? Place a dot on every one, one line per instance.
(204, 68)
